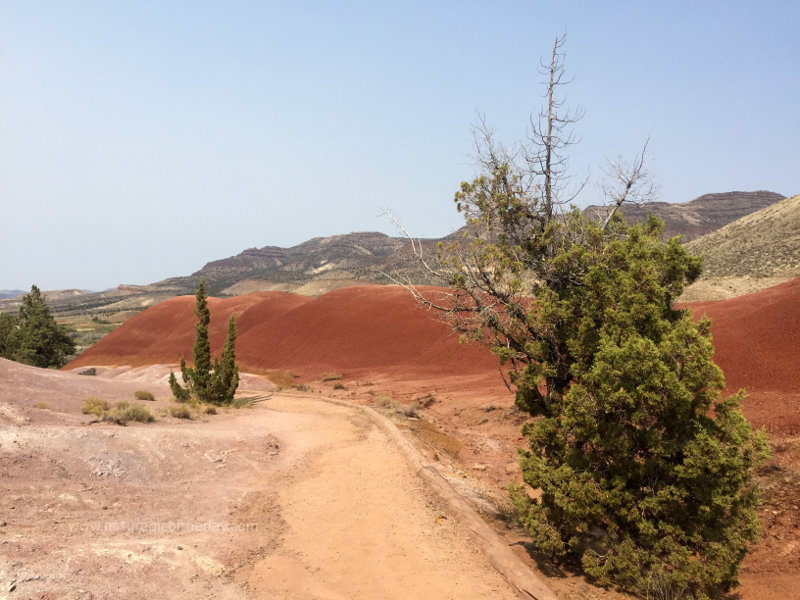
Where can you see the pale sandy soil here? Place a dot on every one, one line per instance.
(295, 498)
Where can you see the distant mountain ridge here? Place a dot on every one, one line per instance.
(759, 250)
(359, 257)
(10, 293)
(697, 217)
(325, 263)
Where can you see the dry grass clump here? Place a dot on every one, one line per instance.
(398, 408)
(144, 395)
(119, 413)
(180, 411)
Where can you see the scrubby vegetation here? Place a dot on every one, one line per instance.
(330, 377)
(181, 411)
(120, 413)
(144, 395)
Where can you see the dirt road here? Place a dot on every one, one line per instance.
(295, 498)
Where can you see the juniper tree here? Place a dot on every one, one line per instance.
(33, 337)
(215, 382)
(226, 371)
(198, 377)
(644, 474)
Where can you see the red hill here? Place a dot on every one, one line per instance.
(356, 331)
(378, 331)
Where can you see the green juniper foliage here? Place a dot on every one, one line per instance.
(32, 336)
(644, 476)
(213, 382)
(641, 482)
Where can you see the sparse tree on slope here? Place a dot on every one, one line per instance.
(206, 381)
(645, 476)
(34, 337)
(226, 371)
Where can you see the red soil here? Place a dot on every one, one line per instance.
(757, 345)
(378, 331)
(353, 331)
(378, 334)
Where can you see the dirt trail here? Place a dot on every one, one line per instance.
(295, 498)
(360, 524)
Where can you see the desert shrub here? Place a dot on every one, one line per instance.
(121, 414)
(144, 395)
(384, 401)
(427, 400)
(407, 410)
(242, 403)
(90, 371)
(42, 405)
(179, 412)
(302, 387)
(339, 386)
(95, 406)
(209, 409)
(331, 377)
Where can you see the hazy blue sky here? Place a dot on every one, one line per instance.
(140, 140)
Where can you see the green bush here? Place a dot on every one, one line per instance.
(144, 395)
(95, 406)
(122, 415)
(179, 412)
(90, 371)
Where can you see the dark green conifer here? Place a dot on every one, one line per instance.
(34, 337)
(208, 381)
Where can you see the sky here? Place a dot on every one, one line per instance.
(141, 140)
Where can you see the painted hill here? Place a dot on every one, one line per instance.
(354, 330)
(700, 216)
(364, 332)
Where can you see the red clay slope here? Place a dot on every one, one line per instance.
(356, 330)
(379, 331)
(165, 332)
(757, 338)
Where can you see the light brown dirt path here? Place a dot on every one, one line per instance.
(294, 499)
(360, 524)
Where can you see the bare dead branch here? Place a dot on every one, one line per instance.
(627, 183)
